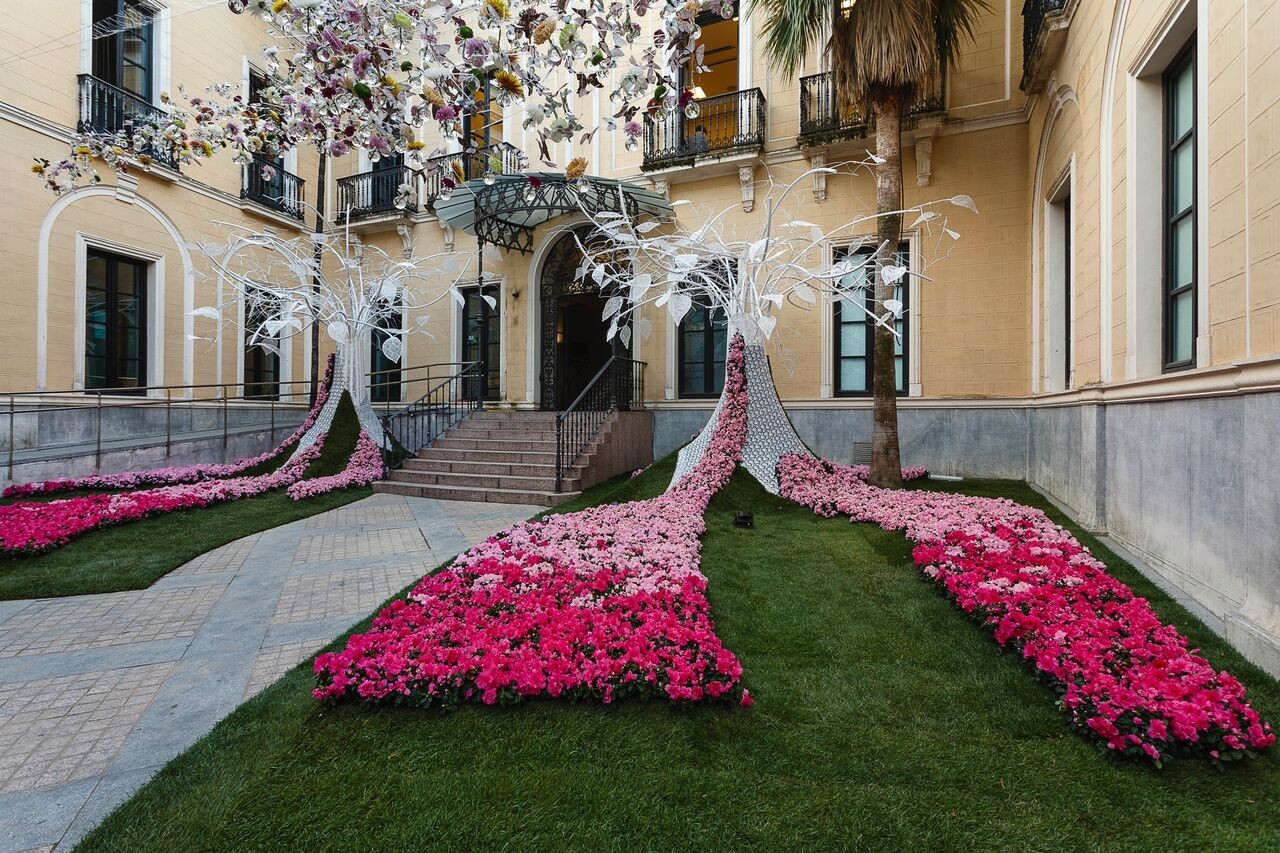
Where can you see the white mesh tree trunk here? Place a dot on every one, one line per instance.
(770, 434)
(349, 375)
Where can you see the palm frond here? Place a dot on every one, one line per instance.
(791, 27)
(954, 22)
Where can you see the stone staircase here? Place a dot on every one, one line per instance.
(496, 457)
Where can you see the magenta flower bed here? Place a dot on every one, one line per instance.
(599, 604)
(1125, 678)
(363, 468)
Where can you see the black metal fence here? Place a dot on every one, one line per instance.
(618, 386)
(373, 193)
(105, 108)
(824, 115)
(431, 415)
(1033, 14)
(724, 124)
(281, 190)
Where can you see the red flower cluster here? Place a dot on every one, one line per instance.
(601, 604)
(1125, 678)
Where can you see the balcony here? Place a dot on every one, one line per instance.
(372, 194)
(281, 191)
(107, 109)
(1044, 34)
(824, 118)
(725, 124)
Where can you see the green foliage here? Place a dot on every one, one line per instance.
(884, 720)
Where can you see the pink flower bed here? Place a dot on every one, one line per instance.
(29, 528)
(916, 472)
(363, 468)
(1125, 678)
(177, 474)
(602, 604)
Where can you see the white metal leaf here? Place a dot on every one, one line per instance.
(806, 293)
(393, 348)
(275, 327)
(489, 300)
(597, 274)
(766, 325)
(925, 216)
(457, 296)
(964, 201)
(211, 313)
(892, 274)
(644, 326)
(893, 306)
(640, 286)
(625, 335)
(646, 227)
(611, 307)
(678, 306)
(954, 235)
(337, 331)
(613, 329)
(757, 248)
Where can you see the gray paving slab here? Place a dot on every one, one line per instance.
(134, 678)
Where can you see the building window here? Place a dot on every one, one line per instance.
(482, 337)
(484, 122)
(385, 385)
(271, 188)
(702, 351)
(115, 321)
(1180, 212)
(122, 45)
(261, 363)
(854, 330)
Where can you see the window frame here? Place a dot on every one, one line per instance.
(388, 388)
(148, 35)
(260, 369)
(492, 388)
(1184, 61)
(903, 388)
(112, 297)
(708, 354)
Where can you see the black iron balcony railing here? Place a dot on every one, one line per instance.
(824, 117)
(725, 124)
(1042, 25)
(105, 109)
(374, 193)
(268, 184)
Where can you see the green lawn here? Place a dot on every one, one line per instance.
(884, 718)
(135, 555)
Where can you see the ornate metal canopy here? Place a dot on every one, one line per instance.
(506, 212)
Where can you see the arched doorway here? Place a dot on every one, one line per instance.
(573, 331)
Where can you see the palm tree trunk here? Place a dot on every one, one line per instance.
(886, 464)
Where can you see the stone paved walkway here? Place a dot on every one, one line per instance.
(98, 692)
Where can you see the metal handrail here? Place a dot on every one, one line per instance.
(285, 192)
(291, 396)
(106, 108)
(725, 123)
(824, 113)
(373, 192)
(424, 420)
(617, 386)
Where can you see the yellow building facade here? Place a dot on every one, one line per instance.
(1107, 327)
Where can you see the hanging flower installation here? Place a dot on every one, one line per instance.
(1125, 678)
(372, 74)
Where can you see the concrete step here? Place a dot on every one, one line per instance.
(485, 481)
(454, 454)
(479, 431)
(449, 442)
(507, 469)
(526, 418)
(510, 424)
(479, 495)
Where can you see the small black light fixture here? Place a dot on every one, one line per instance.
(744, 519)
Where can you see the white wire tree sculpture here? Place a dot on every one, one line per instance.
(356, 290)
(748, 276)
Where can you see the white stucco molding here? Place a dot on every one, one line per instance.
(60, 204)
